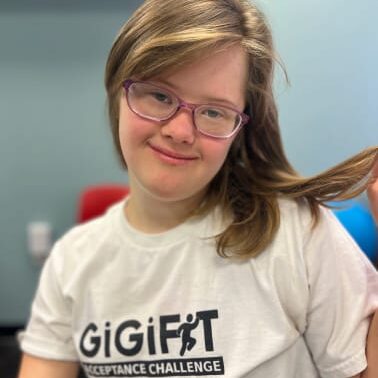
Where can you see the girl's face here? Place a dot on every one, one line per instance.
(170, 160)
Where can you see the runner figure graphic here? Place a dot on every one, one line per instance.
(184, 331)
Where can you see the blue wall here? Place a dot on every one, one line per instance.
(54, 133)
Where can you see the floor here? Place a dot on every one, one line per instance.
(10, 357)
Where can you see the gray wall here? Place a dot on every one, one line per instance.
(330, 50)
(54, 133)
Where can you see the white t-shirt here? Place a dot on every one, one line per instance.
(127, 304)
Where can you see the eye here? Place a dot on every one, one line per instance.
(213, 113)
(161, 97)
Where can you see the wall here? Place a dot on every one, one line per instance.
(54, 133)
(330, 50)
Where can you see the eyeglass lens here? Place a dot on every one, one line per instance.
(155, 103)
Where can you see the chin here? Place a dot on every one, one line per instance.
(171, 195)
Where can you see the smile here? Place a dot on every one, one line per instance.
(171, 156)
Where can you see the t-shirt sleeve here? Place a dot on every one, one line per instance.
(343, 287)
(49, 331)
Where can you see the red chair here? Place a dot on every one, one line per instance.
(95, 200)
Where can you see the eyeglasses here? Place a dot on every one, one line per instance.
(157, 104)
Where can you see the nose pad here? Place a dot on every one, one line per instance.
(180, 127)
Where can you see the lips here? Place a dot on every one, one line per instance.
(172, 154)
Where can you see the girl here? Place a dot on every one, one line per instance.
(222, 261)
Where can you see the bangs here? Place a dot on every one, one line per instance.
(157, 57)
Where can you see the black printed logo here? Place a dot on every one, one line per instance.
(185, 330)
(155, 337)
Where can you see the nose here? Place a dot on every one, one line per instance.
(180, 128)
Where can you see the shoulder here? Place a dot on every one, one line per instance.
(95, 228)
(324, 246)
(305, 261)
(82, 242)
(295, 221)
(296, 215)
(305, 246)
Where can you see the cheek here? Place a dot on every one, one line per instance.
(124, 134)
(216, 152)
(132, 132)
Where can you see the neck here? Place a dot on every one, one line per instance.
(151, 215)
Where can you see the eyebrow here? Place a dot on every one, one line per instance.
(206, 99)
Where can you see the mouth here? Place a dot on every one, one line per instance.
(172, 154)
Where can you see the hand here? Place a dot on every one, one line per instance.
(372, 192)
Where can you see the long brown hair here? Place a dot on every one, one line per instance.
(167, 34)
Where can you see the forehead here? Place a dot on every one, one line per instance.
(222, 73)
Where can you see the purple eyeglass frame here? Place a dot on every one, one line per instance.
(182, 104)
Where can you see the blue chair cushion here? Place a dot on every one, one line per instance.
(359, 222)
